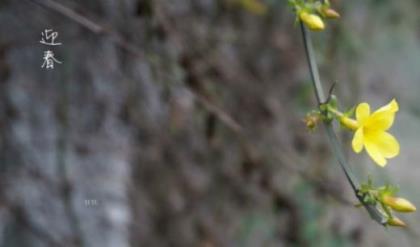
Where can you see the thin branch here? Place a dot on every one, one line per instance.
(89, 24)
(223, 117)
(374, 213)
(92, 26)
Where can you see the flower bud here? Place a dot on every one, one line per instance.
(394, 221)
(330, 13)
(311, 121)
(398, 204)
(312, 21)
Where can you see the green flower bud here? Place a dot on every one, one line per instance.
(394, 221)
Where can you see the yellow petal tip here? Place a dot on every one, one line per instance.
(394, 105)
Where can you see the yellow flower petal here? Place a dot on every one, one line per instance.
(362, 112)
(392, 106)
(357, 142)
(386, 144)
(380, 121)
(374, 152)
(383, 118)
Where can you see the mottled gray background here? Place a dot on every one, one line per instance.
(178, 123)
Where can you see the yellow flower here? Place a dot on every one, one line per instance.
(312, 21)
(371, 132)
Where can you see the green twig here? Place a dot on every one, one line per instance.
(374, 213)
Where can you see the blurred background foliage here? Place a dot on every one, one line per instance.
(182, 120)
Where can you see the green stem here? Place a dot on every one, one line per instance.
(345, 121)
(374, 213)
(334, 111)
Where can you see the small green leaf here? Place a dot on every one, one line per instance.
(333, 101)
